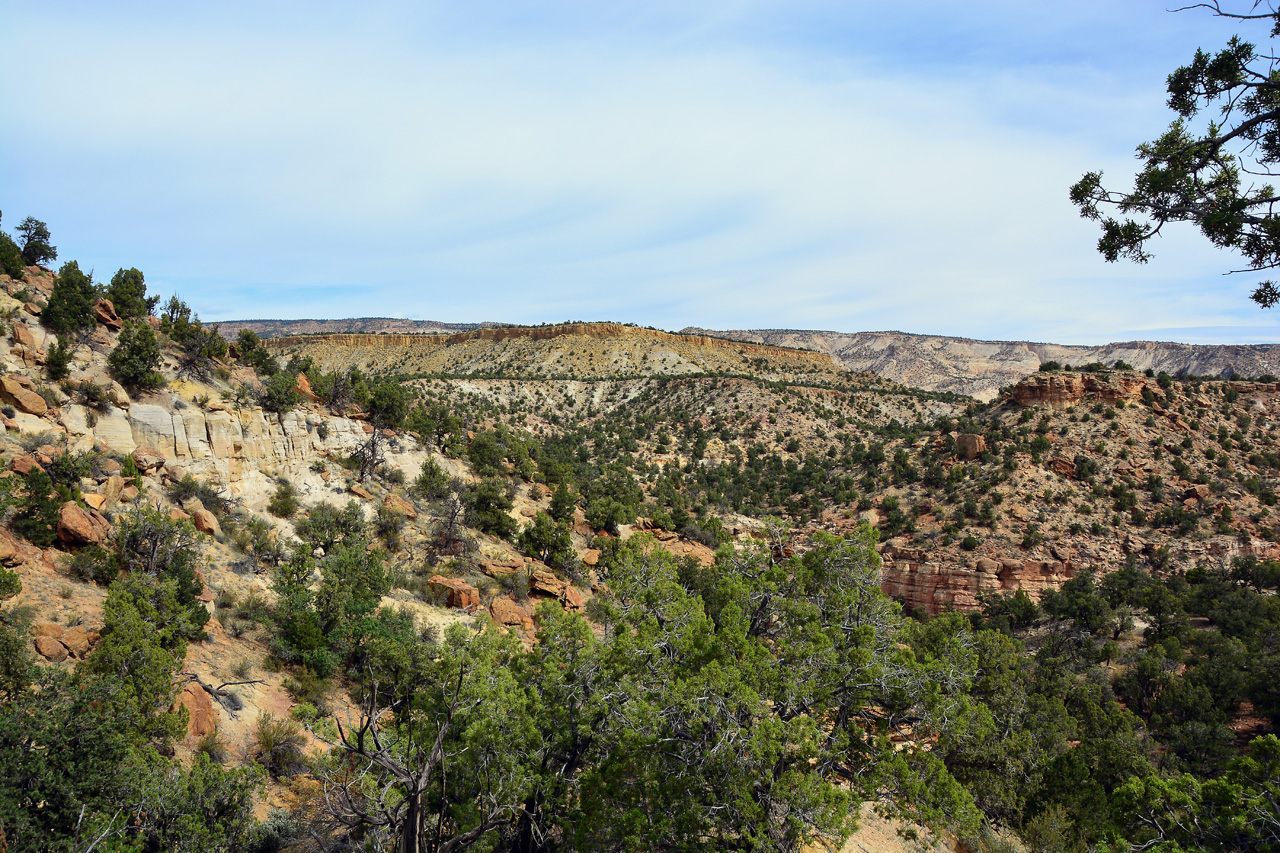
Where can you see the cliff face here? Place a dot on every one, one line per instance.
(980, 368)
(597, 331)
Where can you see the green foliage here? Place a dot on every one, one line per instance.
(432, 483)
(57, 363)
(254, 354)
(324, 525)
(11, 263)
(128, 294)
(562, 504)
(489, 506)
(151, 545)
(200, 344)
(547, 540)
(388, 404)
(1202, 175)
(280, 393)
(36, 519)
(284, 503)
(70, 308)
(34, 236)
(136, 357)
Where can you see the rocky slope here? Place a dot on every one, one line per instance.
(980, 368)
(571, 351)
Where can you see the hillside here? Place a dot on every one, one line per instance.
(980, 368)
(639, 572)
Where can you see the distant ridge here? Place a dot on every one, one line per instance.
(980, 368)
(351, 325)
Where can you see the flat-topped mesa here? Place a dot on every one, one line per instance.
(590, 330)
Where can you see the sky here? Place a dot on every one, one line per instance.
(728, 164)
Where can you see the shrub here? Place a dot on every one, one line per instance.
(277, 745)
(37, 516)
(57, 364)
(128, 294)
(11, 257)
(136, 357)
(70, 308)
(284, 503)
(279, 393)
(92, 563)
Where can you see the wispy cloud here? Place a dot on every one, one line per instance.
(733, 164)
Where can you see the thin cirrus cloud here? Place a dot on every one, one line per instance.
(728, 164)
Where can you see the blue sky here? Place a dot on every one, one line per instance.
(728, 163)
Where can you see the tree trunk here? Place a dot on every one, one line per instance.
(412, 829)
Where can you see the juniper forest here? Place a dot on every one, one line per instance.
(594, 586)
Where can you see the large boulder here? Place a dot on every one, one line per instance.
(457, 593)
(147, 458)
(395, 503)
(106, 314)
(50, 649)
(206, 522)
(20, 391)
(22, 337)
(507, 611)
(77, 527)
(971, 446)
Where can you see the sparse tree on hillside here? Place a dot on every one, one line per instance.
(128, 294)
(70, 308)
(136, 357)
(36, 248)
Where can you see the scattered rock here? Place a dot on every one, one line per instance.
(77, 641)
(147, 458)
(95, 501)
(206, 522)
(20, 391)
(47, 629)
(361, 492)
(50, 649)
(460, 593)
(400, 505)
(971, 446)
(106, 314)
(77, 528)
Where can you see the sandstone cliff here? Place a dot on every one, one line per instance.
(980, 368)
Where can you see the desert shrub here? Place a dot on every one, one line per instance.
(57, 360)
(70, 307)
(210, 496)
(389, 527)
(489, 507)
(92, 563)
(68, 468)
(432, 483)
(11, 257)
(128, 294)
(284, 503)
(37, 517)
(215, 747)
(136, 357)
(277, 745)
(279, 394)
